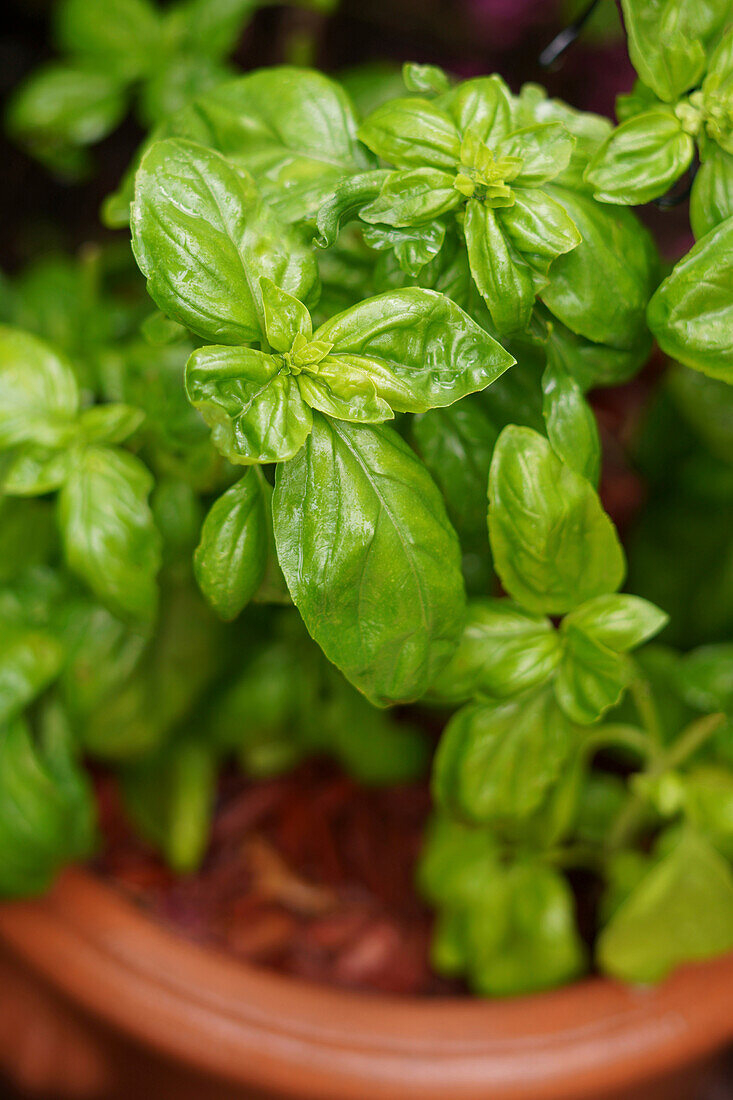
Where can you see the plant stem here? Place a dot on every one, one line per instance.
(690, 740)
(631, 737)
(646, 708)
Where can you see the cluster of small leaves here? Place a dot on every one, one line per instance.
(122, 51)
(679, 113)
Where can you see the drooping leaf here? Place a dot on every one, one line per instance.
(369, 557)
(231, 556)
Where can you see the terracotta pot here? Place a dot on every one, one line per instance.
(97, 1000)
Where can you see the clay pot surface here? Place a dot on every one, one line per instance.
(99, 1001)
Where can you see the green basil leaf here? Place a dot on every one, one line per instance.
(414, 246)
(424, 79)
(496, 762)
(419, 349)
(571, 425)
(521, 936)
(124, 37)
(591, 677)
(109, 423)
(641, 160)
(589, 130)
(705, 678)
(349, 195)
(619, 621)
(664, 43)
(457, 861)
(593, 364)
(61, 107)
(544, 150)
(293, 129)
(707, 791)
(691, 313)
(230, 558)
(29, 661)
(412, 197)
(456, 444)
(343, 390)
(172, 87)
(369, 557)
(255, 413)
(554, 547)
(412, 133)
(538, 224)
(202, 237)
(614, 243)
(481, 105)
(39, 396)
(681, 911)
(501, 275)
(503, 651)
(711, 200)
(107, 527)
(285, 316)
(46, 806)
(34, 471)
(214, 27)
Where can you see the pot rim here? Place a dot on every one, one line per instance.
(264, 1029)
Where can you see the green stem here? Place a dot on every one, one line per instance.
(631, 737)
(692, 738)
(646, 707)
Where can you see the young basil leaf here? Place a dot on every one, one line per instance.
(170, 798)
(619, 621)
(349, 195)
(61, 108)
(539, 225)
(46, 806)
(571, 425)
(482, 105)
(214, 27)
(641, 159)
(256, 413)
(665, 44)
(369, 557)
(591, 677)
(681, 911)
(411, 197)
(589, 130)
(456, 861)
(497, 761)
(39, 396)
(285, 316)
(108, 533)
(501, 275)
(503, 651)
(230, 558)
(203, 238)
(456, 444)
(29, 660)
(413, 246)
(691, 313)
(711, 199)
(124, 37)
(411, 133)
(34, 471)
(554, 547)
(293, 129)
(112, 423)
(543, 149)
(424, 79)
(343, 389)
(616, 245)
(521, 935)
(418, 348)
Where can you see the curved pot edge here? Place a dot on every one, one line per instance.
(266, 1030)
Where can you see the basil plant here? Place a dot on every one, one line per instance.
(348, 464)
